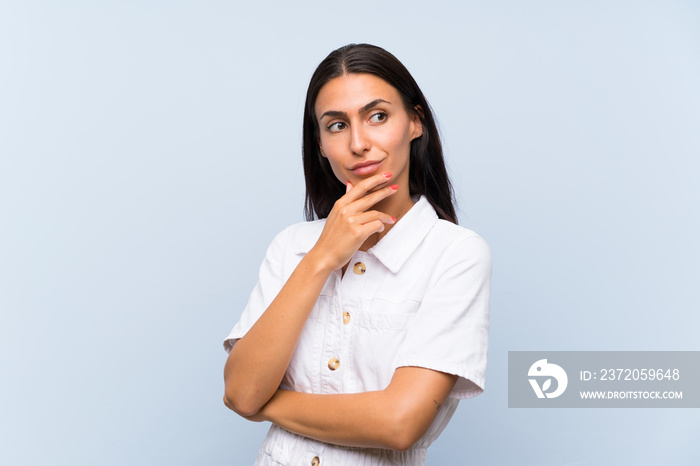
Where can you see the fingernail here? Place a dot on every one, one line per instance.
(394, 187)
(392, 218)
(387, 175)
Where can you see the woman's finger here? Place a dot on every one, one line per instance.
(372, 198)
(361, 188)
(348, 187)
(376, 226)
(371, 216)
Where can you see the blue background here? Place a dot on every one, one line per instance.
(150, 150)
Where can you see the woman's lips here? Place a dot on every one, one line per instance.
(367, 169)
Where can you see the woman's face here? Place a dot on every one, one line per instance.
(365, 129)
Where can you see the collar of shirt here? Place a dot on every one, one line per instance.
(402, 240)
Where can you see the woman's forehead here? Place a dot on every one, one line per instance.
(351, 92)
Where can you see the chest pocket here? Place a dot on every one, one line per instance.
(380, 314)
(380, 332)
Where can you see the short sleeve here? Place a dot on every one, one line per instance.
(270, 282)
(450, 330)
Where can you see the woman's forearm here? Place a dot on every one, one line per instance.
(355, 420)
(394, 418)
(258, 361)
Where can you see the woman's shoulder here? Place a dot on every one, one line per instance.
(449, 233)
(459, 242)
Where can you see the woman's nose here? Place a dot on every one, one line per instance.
(359, 142)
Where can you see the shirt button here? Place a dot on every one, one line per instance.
(346, 317)
(315, 461)
(333, 363)
(359, 268)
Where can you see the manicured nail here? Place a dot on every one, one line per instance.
(394, 187)
(392, 218)
(387, 175)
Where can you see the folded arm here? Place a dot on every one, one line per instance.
(393, 418)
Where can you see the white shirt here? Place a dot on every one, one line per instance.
(419, 297)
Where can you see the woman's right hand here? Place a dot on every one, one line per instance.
(350, 223)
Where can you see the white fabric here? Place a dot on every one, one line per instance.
(423, 301)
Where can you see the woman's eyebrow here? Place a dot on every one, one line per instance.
(372, 104)
(365, 109)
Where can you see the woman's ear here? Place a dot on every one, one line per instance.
(417, 125)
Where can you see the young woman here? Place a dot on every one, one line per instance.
(368, 324)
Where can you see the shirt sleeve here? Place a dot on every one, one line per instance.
(270, 282)
(450, 330)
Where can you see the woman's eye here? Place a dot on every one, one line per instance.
(378, 117)
(337, 126)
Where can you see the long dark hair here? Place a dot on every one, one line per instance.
(427, 173)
